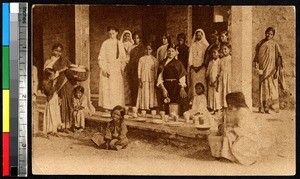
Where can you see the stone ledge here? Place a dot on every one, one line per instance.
(186, 131)
(183, 131)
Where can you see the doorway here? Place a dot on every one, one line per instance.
(210, 18)
(153, 25)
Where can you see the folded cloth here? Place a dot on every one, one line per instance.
(98, 139)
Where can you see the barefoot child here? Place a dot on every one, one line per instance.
(212, 75)
(52, 118)
(225, 73)
(199, 105)
(114, 136)
(147, 72)
(116, 130)
(79, 108)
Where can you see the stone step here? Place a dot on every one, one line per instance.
(187, 130)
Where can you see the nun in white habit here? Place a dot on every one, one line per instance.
(196, 67)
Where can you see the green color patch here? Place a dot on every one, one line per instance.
(5, 67)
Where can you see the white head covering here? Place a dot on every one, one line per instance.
(203, 39)
(130, 35)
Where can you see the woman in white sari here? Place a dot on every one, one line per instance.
(268, 59)
(111, 60)
(127, 41)
(196, 67)
(239, 131)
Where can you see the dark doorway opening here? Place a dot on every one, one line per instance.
(206, 18)
(153, 25)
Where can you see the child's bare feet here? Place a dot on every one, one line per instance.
(118, 147)
(55, 134)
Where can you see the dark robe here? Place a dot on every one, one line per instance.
(49, 89)
(174, 70)
(64, 93)
(132, 71)
(183, 55)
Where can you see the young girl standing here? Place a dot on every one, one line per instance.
(147, 72)
(212, 75)
(223, 39)
(52, 118)
(225, 73)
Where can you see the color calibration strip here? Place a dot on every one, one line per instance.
(14, 87)
(23, 91)
(5, 90)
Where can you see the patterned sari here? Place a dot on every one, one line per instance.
(268, 56)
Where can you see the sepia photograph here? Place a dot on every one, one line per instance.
(163, 90)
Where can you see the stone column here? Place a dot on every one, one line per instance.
(241, 30)
(82, 42)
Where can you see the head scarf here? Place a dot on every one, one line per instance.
(130, 36)
(203, 39)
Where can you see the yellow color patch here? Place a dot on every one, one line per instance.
(5, 110)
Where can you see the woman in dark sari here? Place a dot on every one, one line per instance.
(132, 67)
(172, 80)
(65, 86)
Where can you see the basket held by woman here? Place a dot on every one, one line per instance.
(77, 73)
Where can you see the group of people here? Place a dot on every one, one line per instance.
(199, 74)
(131, 75)
(66, 106)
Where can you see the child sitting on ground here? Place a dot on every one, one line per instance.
(80, 108)
(115, 134)
(199, 105)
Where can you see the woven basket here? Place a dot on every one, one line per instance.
(76, 75)
(215, 144)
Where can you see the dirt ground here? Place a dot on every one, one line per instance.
(76, 154)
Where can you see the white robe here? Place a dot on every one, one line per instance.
(147, 70)
(213, 70)
(111, 89)
(196, 58)
(225, 79)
